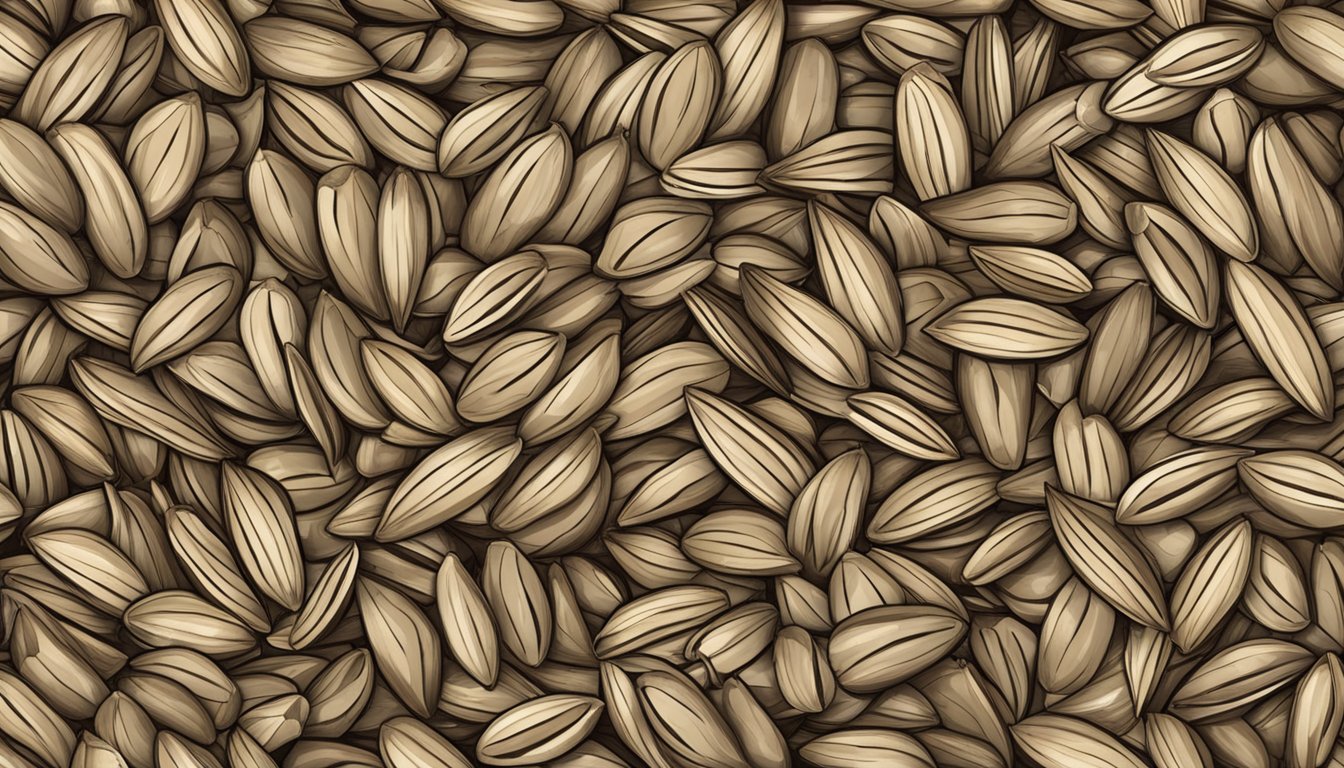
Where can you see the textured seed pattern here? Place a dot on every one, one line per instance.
(671, 383)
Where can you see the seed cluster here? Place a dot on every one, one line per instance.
(671, 383)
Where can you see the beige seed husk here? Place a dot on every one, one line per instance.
(398, 122)
(206, 559)
(1104, 559)
(518, 195)
(918, 635)
(179, 618)
(804, 103)
(857, 161)
(71, 426)
(1063, 121)
(1205, 194)
(518, 602)
(304, 53)
(191, 310)
(281, 197)
(1285, 606)
(405, 646)
(1307, 35)
(114, 219)
(260, 520)
(207, 43)
(1227, 680)
(684, 721)
(36, 177)
(31, 722)
(775, 475)
(1009, 546)
(1274, 325)
(657, 616)
(59, 673)
(1055, 741)
(1029, 213)
(1010, 329)
(1212, 55)
(164, 153)
(404, 741)
(810, 331)
(74, 75)
(541, 729)
(1209, 587)
(1317, 712)
(316, 129)
(932, 138)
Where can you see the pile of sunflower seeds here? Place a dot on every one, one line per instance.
(671, 383)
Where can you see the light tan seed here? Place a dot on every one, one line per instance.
(807, 329)
(179, 618)
(404, 644)
(1171, 742)
(74, 75)
(1109, 564)
(1297, 485)
(1239, 675)
(1010, 329)
(205, 40)
(1208, 56)
(31, 722)
(857, 161)
(304, 53)
(774, 473)
(35, 176)
(883, 646)
(684, 721)
(328, 598)
(1309, 36)
(212, 567)
(655, 617)
(518, 602)
(61, 675)
(70, 424)
(282, 197)
(102, 572)
(315, 129)
(346, 205)
(404, 742)
(931, 134)
(191, 310)
(899, 42)
(164, 154)
(1178, 485)
(1020, 212)
(1205, 194)
(1318, 709)
(860, 746)
(1056, 741)
(1061, 121)
(1210, 585)
(399, 122)
(114, 219)
(1276, 589)
(739, 542)
(261, 522)
(824, 520)
(518, 195)
(539, 730)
